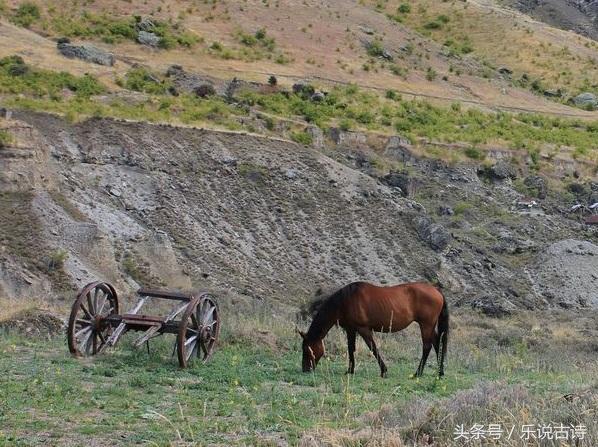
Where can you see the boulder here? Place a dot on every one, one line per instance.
(146, 24)
(401, 180)
(536, 186)
(501, 170)
(586, 99)
(304, 90)
(367, 30)
(493, 307)
(204, 90)
(579, 189)
(86, 52)
(318, 97)
(184, 81)
(386, 54)
(149, 39)
(435, 235)
(445, 210)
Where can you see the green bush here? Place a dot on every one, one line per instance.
(474, 153)
(375, 48)
(404, 8)
(431, 74)
(142, 80)
(5, 138)
(16, 77)
(302, 138)
(57, 259)
(433, 25)
(26, 14)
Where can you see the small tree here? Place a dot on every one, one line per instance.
(272, 80)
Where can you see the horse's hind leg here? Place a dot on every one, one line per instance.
(351, 336)
(427, 343)
(368, 337)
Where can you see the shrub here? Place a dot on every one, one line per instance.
(5, 138)
(433, 25)
(260, 34)
(56, 261)
(431, 74)
(391, 94)
(399, 71)
(18, 78)
(344, 125)
(302, 138)
(404, 8)
(474, 153)
(375, 48)
(26, 14)
(140, 79)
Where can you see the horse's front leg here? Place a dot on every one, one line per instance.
(368, 337)
(351, 336)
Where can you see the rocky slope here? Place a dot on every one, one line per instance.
(580, 16)
(264, 221)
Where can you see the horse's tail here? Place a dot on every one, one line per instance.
(442, 337)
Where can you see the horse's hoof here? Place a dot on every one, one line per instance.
(383, 374)
(349, 372)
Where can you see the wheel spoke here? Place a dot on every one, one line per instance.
(189, 351)
(101, 307)
(194, 320)
(82, 322)
(96, 292)
(82, 331)
(90, 302)
(208, 316)
(190, 340)
(89, 315)
(85, 342)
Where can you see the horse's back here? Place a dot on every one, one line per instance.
(394, 307)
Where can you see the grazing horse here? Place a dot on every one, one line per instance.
(361, 308)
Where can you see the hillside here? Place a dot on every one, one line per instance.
(272, 151)
(329, 40)
(267, 219)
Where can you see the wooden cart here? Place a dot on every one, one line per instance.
(96, 323)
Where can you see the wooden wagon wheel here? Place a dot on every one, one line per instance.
(88, 330)
(199, 330)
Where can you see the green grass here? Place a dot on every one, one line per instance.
(57, 21)
(16, 77)
(253, 387)
(347, 106)
(250, 48)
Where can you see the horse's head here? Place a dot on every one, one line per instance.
(312, 352)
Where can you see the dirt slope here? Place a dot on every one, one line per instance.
(261, 220)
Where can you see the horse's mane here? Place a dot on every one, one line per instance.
(320, 308)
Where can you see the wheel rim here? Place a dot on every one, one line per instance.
(88, 329)
(199, 330)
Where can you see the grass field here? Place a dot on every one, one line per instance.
(512, 371)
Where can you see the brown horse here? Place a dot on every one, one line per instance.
(361, 308)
